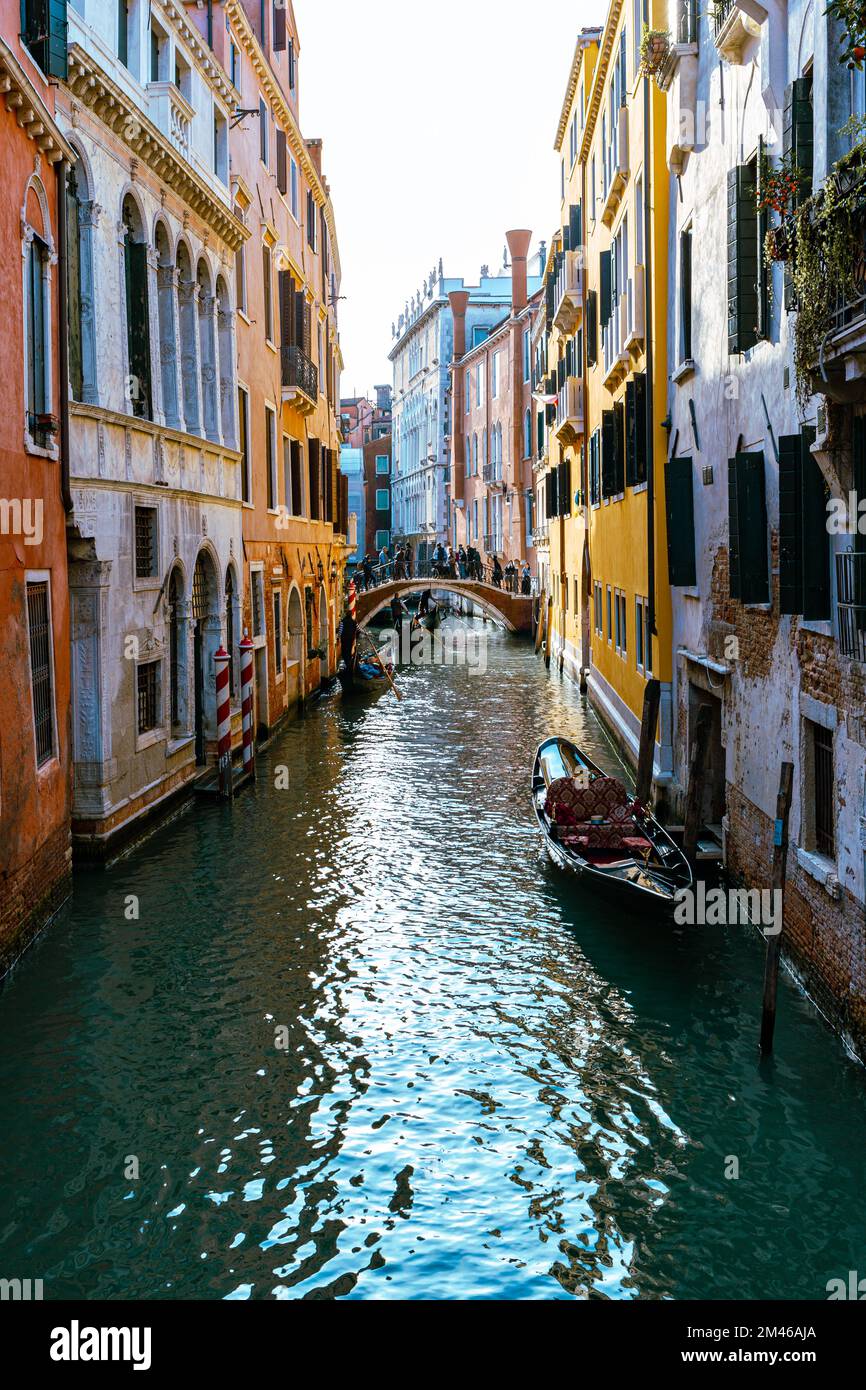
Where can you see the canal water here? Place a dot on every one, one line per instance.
(491, 1086)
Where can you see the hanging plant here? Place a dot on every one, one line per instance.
(851, 14)
(779, 185)
(777, 246)
(654, 46)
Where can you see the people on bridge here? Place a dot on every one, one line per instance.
(510, 576)
(384, 559)
(400, 564)
(409, 559)
(526, 579)
(497, 572)
(367, 570)
(462, 562)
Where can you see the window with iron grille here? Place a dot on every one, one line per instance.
(258, 595)
(824, 812)
(146, 553)
(147, 677)
(41, 686)
(278, 633)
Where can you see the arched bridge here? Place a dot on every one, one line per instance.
(514, 610)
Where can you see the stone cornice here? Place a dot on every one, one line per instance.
(93, 88)
(584, 39)
(149, 427)
(175, 14)
(29, 109)
(236, 16)
(599, 77)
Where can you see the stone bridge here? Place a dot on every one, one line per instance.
(513, 610)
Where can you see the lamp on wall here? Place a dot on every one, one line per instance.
(333, 571)
(320, 571)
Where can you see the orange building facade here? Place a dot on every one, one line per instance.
(287, 279)
(35, 785)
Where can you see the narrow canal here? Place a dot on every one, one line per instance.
(492, 1087)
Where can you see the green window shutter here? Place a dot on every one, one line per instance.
(743, 260)
(138, 325)
(279, 14)
(679, 498)
(630, 442)
(575, 226)
(798, 132)
(539, 430)
(608, 453)
(56, 45)
(640, 426)
(790, 525)
(749, 572)
(591, 328)
(619, 437)
(605, 302)
(816, 538)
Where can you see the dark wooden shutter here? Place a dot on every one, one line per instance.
(575, 226)
(640, 417)
(743, 264)
(679, 496)
(279, 27)
(747, 525)
(686, 291)
(286, 289)
(798, 132)
(605, 304)
(43, 29)
(816, 537)
(790, 525)
(550, 502)
(282, 162)
(619, 447)
(591, 328)
(291, 65)
(138, 325)
(315, 488)
(608, 453)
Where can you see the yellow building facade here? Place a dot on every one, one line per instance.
(610, 615)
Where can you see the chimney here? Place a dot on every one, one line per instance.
(314, 150)
(459, 299)
(518, 245)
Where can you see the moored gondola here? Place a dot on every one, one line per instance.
(367, 675)
(606, 839)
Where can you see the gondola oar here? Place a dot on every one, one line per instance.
(385, 672)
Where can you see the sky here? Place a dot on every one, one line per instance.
(438, 121)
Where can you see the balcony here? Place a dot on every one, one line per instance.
(172, 114)
(568, 298)
(539, 537)
(736, 28)
(615, 356)
(617, 170)
(851, 604)
(569, 411)
(491, 473)
(300, 379)
(680, 80)
(635, 297)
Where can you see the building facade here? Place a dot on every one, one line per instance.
(421, 354)
(492, 435)
(377, 495)
(364, 419)
(767, 430)
(35, 753)
(352, 473)
(288, 281)
(155, 547)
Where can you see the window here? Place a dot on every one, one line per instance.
(271, 456)
(686, 295)
(383, 464)
(123, 31)
(599, 609)
(278, 26)
(220, 146)
(267, 290)
(609, 614)
(494, 377)
(479, 334)
(278, 633)
(527, 434)
(595, 469)
(258, 602)
(43, 30)
(137, 312)
(747, 529)
(382, 496)
(383, 538)
(467, 390)
(263, 132)
(311, 220)
(679, 496)
(146, 547)
(527, 354)
(37, 346)
(621, 623)
(745, 257)
(480, 383)
(244, 427)
(240, 268)
(821, 740)
(295, 488)
(41, 668)
(292, 66)
(639, 633)
(234, 65)
(293, 186)
(147, 689)
(804, 544)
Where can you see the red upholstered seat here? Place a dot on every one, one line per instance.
(570, 804)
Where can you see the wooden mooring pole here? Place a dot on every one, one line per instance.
(774, 942)
(651, 699)
(697, 769)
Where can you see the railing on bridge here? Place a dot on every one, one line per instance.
(477, 572)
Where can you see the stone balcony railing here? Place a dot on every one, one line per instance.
(114, 448)
(172, 114)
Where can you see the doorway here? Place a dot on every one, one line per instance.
(713, 802)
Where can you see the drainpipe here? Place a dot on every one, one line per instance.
(210, 24)
(63, 344)
(650, 459)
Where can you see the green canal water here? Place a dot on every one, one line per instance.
(492, 1086)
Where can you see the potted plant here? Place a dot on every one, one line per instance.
(777, 246)
(654, 47)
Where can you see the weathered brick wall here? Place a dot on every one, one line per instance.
(32, 894)
(824, 938)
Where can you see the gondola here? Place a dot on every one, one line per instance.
(367, 675)
(595, 831)
(431, 619)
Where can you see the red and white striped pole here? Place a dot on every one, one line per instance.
(246, 650)
(224, 722)
(353, 600)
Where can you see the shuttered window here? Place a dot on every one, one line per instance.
(279, 26)
(608, 453)
(314, 451)
(635, 430)
(43, 29)
(686, 294)
(679, 484)
(744, 257)
(619, 447)
(747, 529)
(282, 165)
(137, 326)
(591, 328)
(605, 301)
(41, 688)
(594, 468)
(804, 542)
(798, 135)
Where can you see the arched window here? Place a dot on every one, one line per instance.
(207, 351)
(227, 391)
(468, 455)
(475, 453)
(527, 434)
(188, 342)
(176, 653)
(165, 281)
(81, 333)
(38, 249)
(138, 386)
(295, 628)
(485, 457)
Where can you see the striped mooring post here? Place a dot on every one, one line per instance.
(246, 650)
(224, 723)
(353, 600)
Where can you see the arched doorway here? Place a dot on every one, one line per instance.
(206, 632)
(295, 645)
(324, 634)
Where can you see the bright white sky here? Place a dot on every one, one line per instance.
(438, 119)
